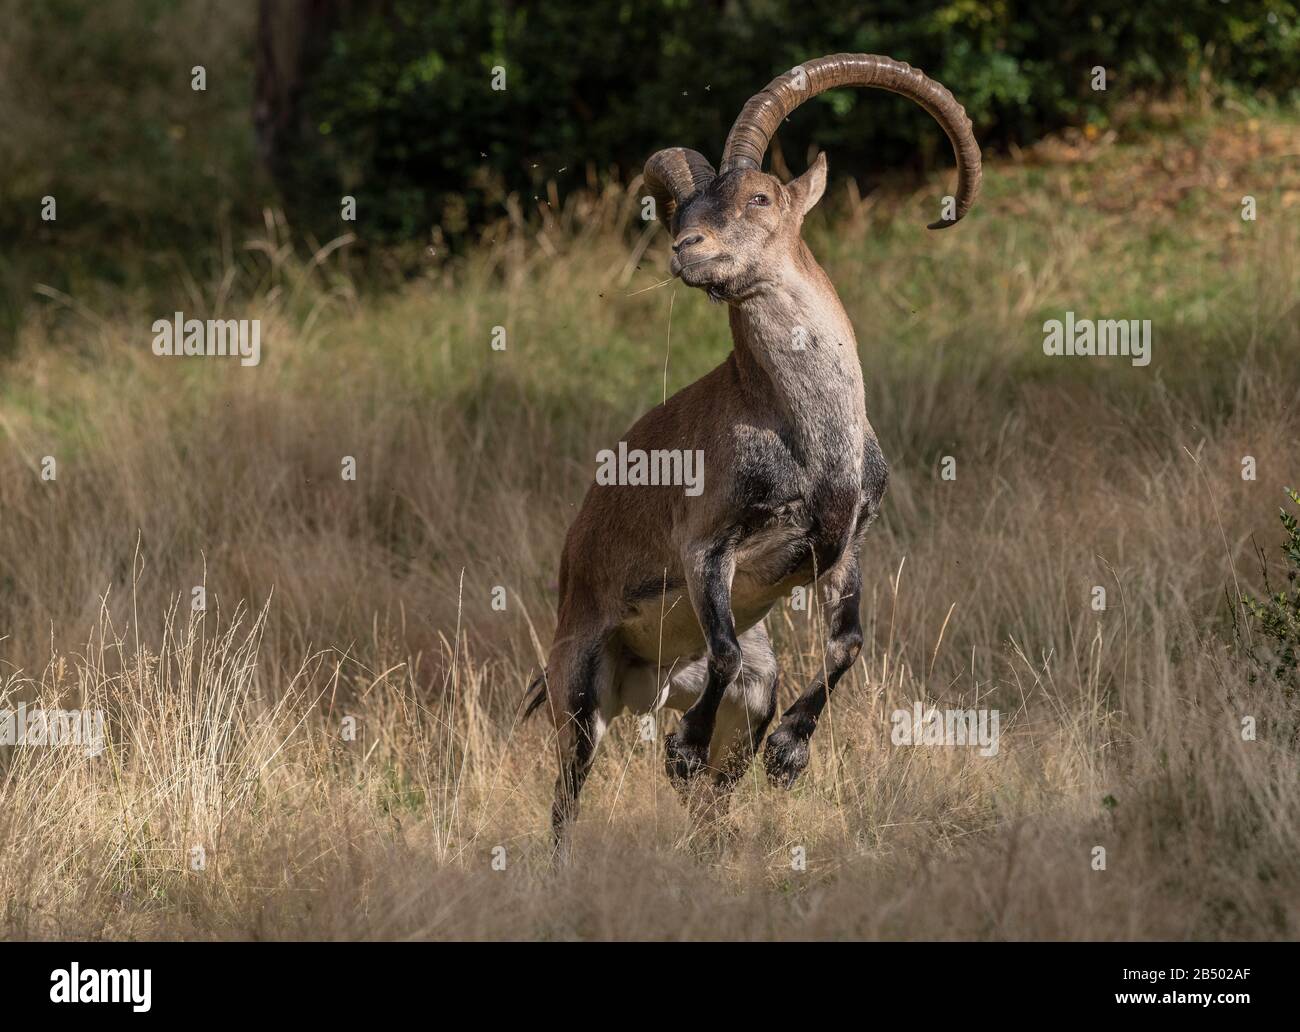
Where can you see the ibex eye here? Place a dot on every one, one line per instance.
(760, 200)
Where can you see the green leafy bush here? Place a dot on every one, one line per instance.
(399, 110)
(390, 101)
(1276, 616)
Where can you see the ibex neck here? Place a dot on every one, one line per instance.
(795, 350)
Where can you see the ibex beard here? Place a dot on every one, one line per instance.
(663, 595)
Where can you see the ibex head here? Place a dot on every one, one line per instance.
(731, 228)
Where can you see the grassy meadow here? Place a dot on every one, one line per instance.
(233, 799)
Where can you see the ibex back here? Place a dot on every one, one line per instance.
(663, 593)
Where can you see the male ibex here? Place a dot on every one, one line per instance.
(663, 595)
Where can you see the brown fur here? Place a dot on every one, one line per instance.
(658, 587)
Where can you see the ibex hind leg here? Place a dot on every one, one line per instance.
(743, 716)
(741, 727)
(746, 712)
(579, 678)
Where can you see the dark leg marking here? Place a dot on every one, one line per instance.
(736, 740)
(786, 753)
(686, 750)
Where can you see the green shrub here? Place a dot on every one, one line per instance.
(399, 111)
(1276, 616)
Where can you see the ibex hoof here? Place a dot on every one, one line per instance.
(785, 756)
(683, 759)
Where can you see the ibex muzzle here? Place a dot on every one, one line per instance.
(663, 594)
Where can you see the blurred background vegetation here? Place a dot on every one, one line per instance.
(376, 594)
(390, 101)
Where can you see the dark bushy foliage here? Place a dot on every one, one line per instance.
(400, 111)
(1276, 616)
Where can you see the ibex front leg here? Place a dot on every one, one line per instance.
(786, 753)
(709, 570)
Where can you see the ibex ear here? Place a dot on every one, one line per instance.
(810, 186)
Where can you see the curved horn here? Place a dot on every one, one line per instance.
(747, 142)
(673, 176)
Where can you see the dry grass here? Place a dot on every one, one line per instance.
(370, 600)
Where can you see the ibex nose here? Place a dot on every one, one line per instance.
(687, 239)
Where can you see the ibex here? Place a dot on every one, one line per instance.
(663, 595)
